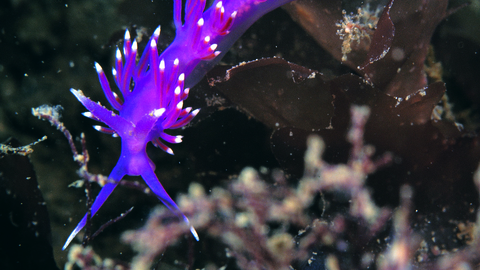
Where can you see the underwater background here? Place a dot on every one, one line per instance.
(50, 46)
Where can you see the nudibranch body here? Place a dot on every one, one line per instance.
(238, 15)
(153, 105)
(152, 89)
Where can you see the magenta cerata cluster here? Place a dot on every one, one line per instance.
(153, 89)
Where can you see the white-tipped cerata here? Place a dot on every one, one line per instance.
(180, 105)
(153, 44)
(158, 112)
(156, 34)
(194, 233)
(195, 112)
(118, 55)
(206, 40)
(162, 65)
(178, 90)
(98, 68)
(88, 114)
(134, 46)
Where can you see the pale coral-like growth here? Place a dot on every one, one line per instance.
(24, 150)
(241, 215)
(357, 28)
(86, 258)
(272, 226)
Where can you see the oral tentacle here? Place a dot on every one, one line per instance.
(114, 121)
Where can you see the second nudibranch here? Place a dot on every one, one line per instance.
(152, 89)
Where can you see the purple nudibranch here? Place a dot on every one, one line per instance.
(153, 90)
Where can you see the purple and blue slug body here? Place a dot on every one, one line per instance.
(153, 89)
